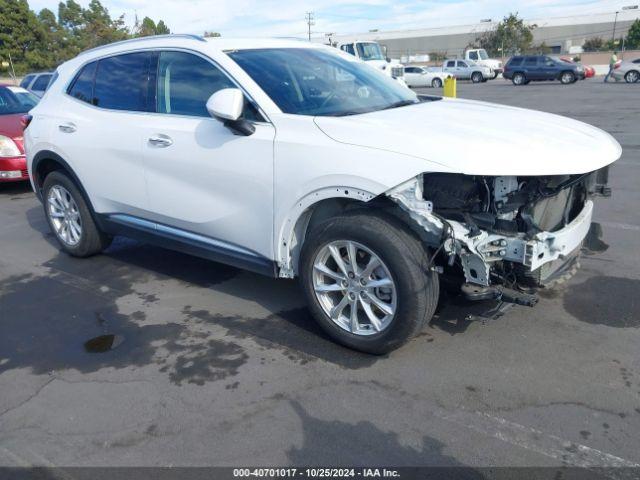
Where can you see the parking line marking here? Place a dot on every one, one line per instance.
(566, 451)
(621, 226)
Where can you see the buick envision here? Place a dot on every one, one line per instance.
(298, 160)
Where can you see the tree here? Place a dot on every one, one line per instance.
(593, 44)
(20, 35)
(632, 39)
(509, 37)
(162, 29)
(148, 27)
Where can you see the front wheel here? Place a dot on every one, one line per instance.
(476, 77)
(367, 281)
(70, 218)
(436, 83)
(567, 77)
(632, 76)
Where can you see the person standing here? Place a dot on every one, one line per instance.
(612, 65)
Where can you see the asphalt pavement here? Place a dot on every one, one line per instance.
(143, 356)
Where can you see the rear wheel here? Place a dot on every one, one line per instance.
(632, 76)
(367, 281)
(567, 78)
(519, 79)
(436, 83)
(476, 77)
(70, 218)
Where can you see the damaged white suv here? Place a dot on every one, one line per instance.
(293, 159)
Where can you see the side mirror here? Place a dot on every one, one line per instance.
(227, 106)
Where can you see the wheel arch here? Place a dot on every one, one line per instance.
(44, 162)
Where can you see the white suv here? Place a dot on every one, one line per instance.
(295, 159)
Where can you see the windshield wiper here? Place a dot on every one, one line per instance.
(402, 103)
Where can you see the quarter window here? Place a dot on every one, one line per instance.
(531, 61)
(122, 82)
(185, 83)
(82, 86)
(26, 81)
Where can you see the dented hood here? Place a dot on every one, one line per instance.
(478, 138)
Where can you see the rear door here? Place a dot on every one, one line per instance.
(98, 130)
(531, 68)
(462, 70)
(548, 68)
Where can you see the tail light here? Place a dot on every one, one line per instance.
(25, 120)
(617, 64)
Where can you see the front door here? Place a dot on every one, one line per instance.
(203, 178)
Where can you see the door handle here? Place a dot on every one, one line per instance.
(160, 141)
(67, 128)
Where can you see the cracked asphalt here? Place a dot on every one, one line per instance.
(213, 366)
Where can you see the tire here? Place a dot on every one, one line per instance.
(567, 77)
(495, 75)
(632, 76)
(404, 263)
(519, 79)
(60, 191)
(476, 77)
(436, 83)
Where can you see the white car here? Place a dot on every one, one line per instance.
(297, 160)
(417, 77)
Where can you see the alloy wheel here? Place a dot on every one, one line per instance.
(632, 76)
(354, 287)
(64, 215)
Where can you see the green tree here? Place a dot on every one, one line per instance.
(148, 27)
(632, 40)
(509, 37)
(20, 35)
(593, 44)
(162, 29)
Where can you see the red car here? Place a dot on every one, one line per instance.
(588, 71)
(15, 102)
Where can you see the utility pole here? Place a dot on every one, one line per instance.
(615, 21)
(309, 18)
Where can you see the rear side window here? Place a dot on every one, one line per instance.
(451, 63)
(121, 82)
(531, 61)
(462, 64)
(41, 83)
(82, 86)
(26, 81)
(185, 83)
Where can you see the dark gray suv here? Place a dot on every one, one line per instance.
(522, 69)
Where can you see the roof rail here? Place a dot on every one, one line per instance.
(138, 39)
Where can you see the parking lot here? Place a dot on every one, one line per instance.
(215, 366)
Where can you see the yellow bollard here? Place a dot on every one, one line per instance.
(449, 89)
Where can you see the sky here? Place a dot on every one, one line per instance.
(286, 18)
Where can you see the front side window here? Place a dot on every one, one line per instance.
(531, 61)
(348, 48)
(369, 51)
(462, 64)
(515, 61)
(121, 82)
(82, 86)
(41, 83)
(473, 55)
(310, 81)
(185, 83)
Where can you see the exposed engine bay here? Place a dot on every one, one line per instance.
(513, 232)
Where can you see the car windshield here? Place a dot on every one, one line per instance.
(16, 100)
(369, 51)
(483, 54)
(312, 81)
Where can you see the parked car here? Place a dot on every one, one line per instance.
(627, 71)
(423, 77)
(522, 69)
(467, 70)
(37, 83)
(588, 71)
(14, 103)
(481, 57)
(293, 159)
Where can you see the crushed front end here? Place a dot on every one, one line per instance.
(503, 237)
